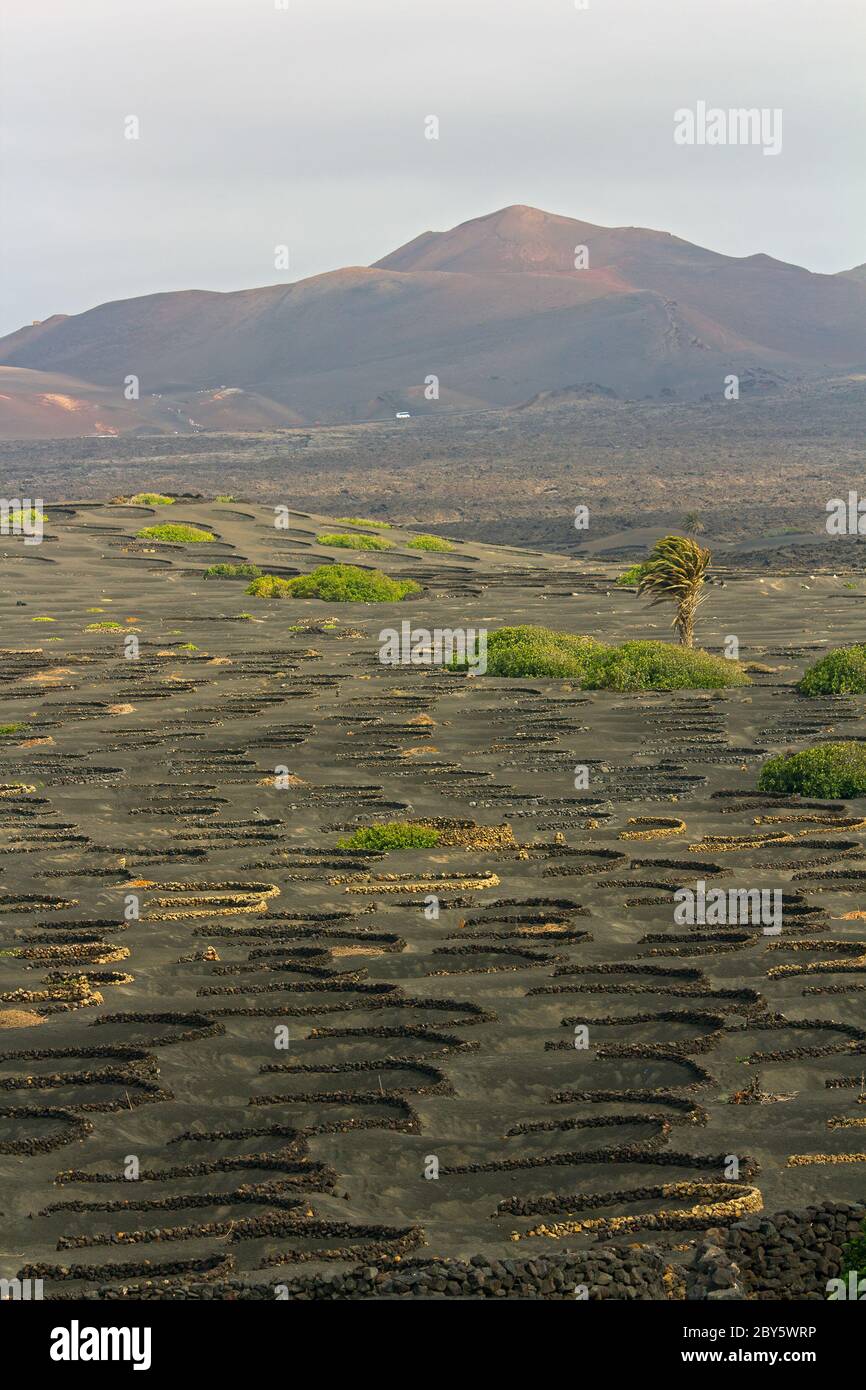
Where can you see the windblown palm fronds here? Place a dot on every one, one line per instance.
(675, 574)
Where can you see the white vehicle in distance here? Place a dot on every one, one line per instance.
(402, 415)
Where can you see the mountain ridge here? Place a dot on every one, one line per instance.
(495, 309)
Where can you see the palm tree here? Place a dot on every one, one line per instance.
(675, 574)
(693, 523)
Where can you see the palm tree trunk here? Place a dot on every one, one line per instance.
(686, 622)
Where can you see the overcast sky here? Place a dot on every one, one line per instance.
(305, 126)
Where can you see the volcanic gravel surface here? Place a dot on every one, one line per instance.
(231, 1050)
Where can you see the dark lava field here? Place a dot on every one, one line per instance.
(232, 1050)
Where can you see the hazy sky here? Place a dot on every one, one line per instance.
(304, 126)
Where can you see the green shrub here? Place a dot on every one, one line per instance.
(827, 770)
(854, 1255)
(350, 542)
(182, 535)
(393, 834)
(8, 730)
(363, 521)
(539, 651)
(634, 574)
(26, 516)
(430, 543)
(151, 499)
(336, 584)
(242, 571)
(269, 586)
(104, 627)
(662, 666)
(842, 672)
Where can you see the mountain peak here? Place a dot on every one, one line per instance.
(513, 238)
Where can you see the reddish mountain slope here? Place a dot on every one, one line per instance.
(494, 308)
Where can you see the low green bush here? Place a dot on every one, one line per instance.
(842, 672)
(336, 584)
(181, 535)
(854, 1255)
(269, 586)
(527, 651)
(391, 835)
(151, 499)
(437, 543)
(346, 541)
(539, 651)
(827, 770)
(363, 521)
(662, 666)
(634, 574)
(242, 571)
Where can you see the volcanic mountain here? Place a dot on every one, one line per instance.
(499, 310)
